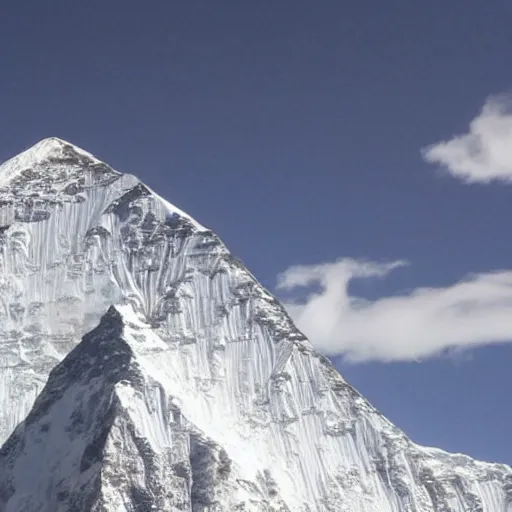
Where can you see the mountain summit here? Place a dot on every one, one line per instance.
(143, 368)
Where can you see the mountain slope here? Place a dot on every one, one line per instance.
(204, 389)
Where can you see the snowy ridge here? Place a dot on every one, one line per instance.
(218, 397)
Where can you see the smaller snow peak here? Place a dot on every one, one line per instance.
(102, 351)
(103, 355)
(99, 342)
(113, 315)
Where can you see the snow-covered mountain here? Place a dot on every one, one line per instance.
(143, 368)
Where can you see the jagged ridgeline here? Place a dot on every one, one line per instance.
(143, 368)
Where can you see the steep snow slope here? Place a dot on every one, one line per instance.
(207, 397)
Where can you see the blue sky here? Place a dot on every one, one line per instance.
(295, 130)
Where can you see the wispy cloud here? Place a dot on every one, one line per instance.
(484, 154)
(419, 324)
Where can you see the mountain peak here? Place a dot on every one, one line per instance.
(52, 141)
(41, 160)
(53, 148)
(195, 392)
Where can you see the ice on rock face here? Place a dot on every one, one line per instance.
(196, 392)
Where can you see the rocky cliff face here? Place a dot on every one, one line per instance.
(142, 367)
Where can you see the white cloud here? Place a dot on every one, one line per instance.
(419, 324)
(484, 154)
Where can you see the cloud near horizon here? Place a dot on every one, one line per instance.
(417, 325)
(484, 154)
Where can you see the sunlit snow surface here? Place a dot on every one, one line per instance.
(195, 393)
